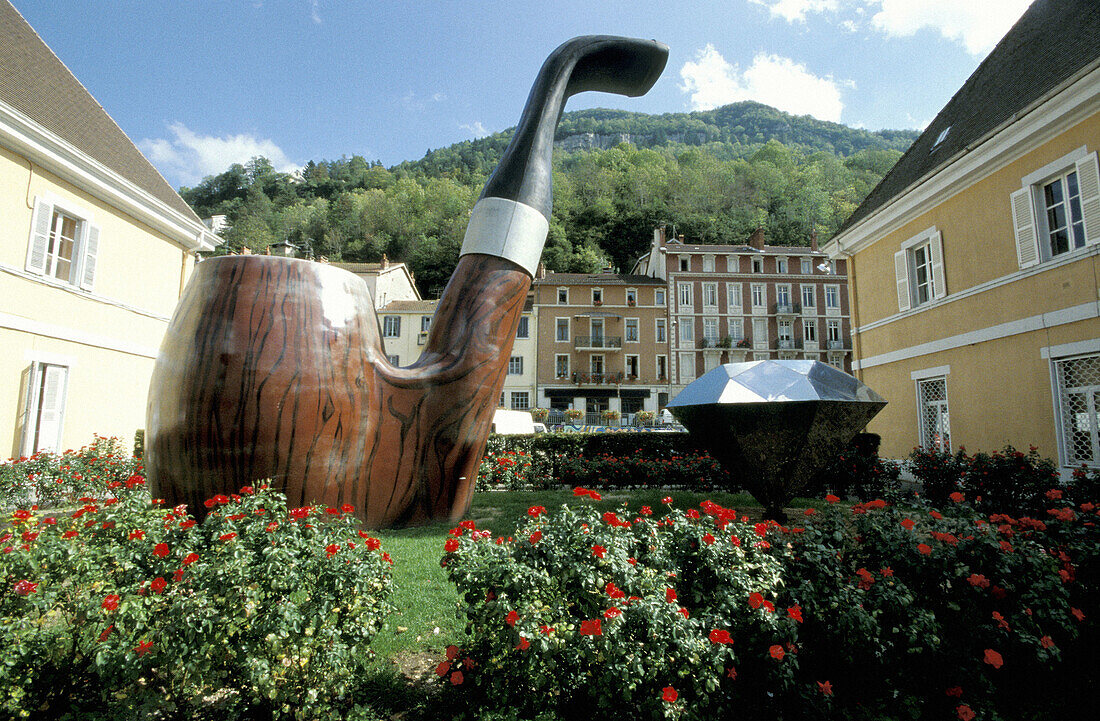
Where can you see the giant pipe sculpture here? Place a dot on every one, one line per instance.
(273, 368)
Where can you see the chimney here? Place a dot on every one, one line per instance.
(756, 240)
(680, 239)
(541, 272)
(245, 250)
(813, 240)
(385, 262)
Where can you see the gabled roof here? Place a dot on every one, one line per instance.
(409, 306)
(1054, 41)
(375, 268)
(34, 82)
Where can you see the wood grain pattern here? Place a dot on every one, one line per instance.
(274, 368)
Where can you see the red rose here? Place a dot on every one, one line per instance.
(993, 658)
(347, 508)
(965, 713)
(756, 599)
(925, 549)
(511, 618)
(670, 595)
(190, 558)
(159, 584)
(954, 691)
(110, 602)
(136, 534)
(443, 668)
(669, 695)
(907, 524)
(795, 612)
(826, 687)
(776, 652)
(536, 537)
(599, 551)
(457, 678)
(160, 550)
(612, 613)
(536, 511)
(25, 587)
(591, 627)
(451, 545)
(523, 644)
(832, 499)
(331, 549)
(227, 537)
(106, 632)
(720, 635)
(957, 497)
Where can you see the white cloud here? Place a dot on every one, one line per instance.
(190, 157)
(314, 13)
(796, 10)
(977, 24)
(771, 79)
(476, 129)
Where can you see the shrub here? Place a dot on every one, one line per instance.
(1003, 481)
(858, 471)
(878, 611)
(51, 480)
(124, 607)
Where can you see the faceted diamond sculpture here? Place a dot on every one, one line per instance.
(774, 424)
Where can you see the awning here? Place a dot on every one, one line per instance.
(597, 314)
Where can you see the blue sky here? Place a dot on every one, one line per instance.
(200, 84)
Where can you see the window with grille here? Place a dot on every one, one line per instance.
(524, 329)
(1078, 381)
(935, 420)
(515, 365)
(561, 365)
(561, 332)
(391, 326)
(661, 335)
(630, 330)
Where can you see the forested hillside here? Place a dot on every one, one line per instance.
(715, 175)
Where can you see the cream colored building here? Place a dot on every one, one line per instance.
(387, 281)
(973, 266)
(95, 247)
(405, 325)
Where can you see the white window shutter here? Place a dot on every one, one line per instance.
(26, 420)
(1023, 222)
(939, 282)
(89, 252)
(40, 237)
(1088, 180)
(901, 274)
(52, 405)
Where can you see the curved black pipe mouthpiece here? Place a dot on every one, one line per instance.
(608, 63)
(512, 217)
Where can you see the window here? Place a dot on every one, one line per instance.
(809, 297)
(520, 400)
(1078, 409)
(563, 296)
(632, 296)
(687, 330)
(935, 420)
(632, 366)
(786, 330)
(710, 361)
(662, 367)
(597, 364)
(737, 329)
(758, 297)
(685, 264)
(426, 323)
(807, 266)
(597, 296)
(733, 297)
(659, 296)
(710, 331)
(524, 329)
(660, 331)
(44, 391)
(391, 326)
(630, 330)
(832, 330)
(759, 332)
(733, 264)
(561, 365)
(1058, 208)
(780, 265)
(783, 298)
(710, 295)
(757, 265)
(809, 331)
(685, 295)
(832, 300)
(918, 270)
(708, 263)
(687, 367)
(561, 330)
(63, 244)
(515, 365)
(394, 360)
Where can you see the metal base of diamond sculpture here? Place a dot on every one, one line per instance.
(775, 424)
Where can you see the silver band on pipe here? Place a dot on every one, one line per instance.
(507, 229)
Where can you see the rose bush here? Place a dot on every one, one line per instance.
(50, 479)
(124, 606)
(1003, 481)
(873, 611)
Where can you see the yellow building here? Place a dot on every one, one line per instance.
(973, 266)
(95, 247)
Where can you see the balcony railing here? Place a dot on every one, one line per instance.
(786, 308)
(788, 344)
(598, 378)
(598, 341)
(836, 345)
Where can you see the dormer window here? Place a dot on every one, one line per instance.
(941, 137)
(685, 264)
(757, 265)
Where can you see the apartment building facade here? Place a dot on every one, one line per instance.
(602, 342)
(733, 303)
